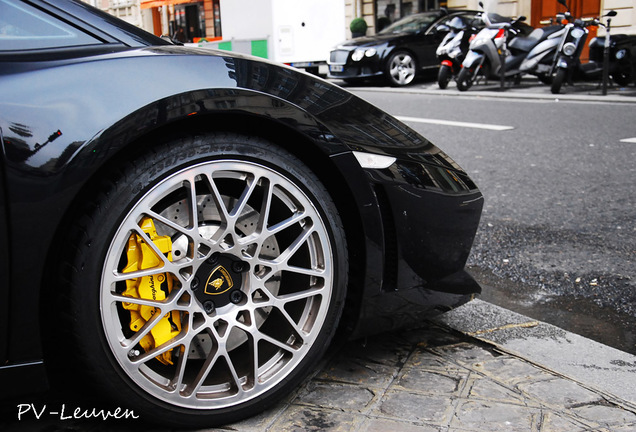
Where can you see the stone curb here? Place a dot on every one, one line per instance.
(585, 361)
(531, 91)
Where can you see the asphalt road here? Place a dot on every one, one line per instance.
(557, 239)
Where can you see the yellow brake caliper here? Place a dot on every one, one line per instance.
(154, 287)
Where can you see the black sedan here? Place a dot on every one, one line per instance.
(183, 231)
(399, 52)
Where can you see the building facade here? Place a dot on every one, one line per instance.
(202, 18)
(374, 11)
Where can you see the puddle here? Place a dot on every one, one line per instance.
(577, 315)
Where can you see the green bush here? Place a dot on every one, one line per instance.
(358, 26)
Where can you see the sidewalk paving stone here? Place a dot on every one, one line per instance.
(436, 379)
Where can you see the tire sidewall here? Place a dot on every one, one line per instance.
(464, 79)
(558, 80)
(444, 76)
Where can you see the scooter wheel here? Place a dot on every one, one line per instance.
(622, 77)
(464, 79)
(545, 78)
(558, 80)
(444, 76)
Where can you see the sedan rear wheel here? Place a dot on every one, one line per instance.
(210, 278)
(401, 68)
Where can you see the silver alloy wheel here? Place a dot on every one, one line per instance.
(229, 222)
(402, 68)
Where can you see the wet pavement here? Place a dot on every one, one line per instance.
(579, 315)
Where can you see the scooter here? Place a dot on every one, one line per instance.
(452, 50)
(488, 47)
(537, 59)
(622, 58)
(620, 51)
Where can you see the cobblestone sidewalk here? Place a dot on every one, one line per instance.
(428, 379)
(433, 379)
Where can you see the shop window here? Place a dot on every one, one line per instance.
(191, 19)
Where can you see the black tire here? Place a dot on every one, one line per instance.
(545, 78)
(238, 222)
(559, 79)
(314, 70)
(622, 77)
(444, 76)
(465, 79)
(353, 81)
(401, 69)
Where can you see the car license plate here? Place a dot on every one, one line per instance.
(336, 68)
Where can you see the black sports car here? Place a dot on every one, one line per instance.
(399, 52)
(184, 229)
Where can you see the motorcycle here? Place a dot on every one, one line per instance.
(620, 50)
(508, 49)
(452, 50)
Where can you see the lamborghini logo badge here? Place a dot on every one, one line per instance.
(219, 281)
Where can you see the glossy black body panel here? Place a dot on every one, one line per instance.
(24, 378)
(4, 268)
(409, 227)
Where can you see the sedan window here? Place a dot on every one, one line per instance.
(411, 24)
(23, 27)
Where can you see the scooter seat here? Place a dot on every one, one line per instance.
(526, 43)
(547, 31)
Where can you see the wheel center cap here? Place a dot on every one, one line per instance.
(219, 280)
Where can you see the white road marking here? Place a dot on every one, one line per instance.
(454, 123)
(629, 140)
